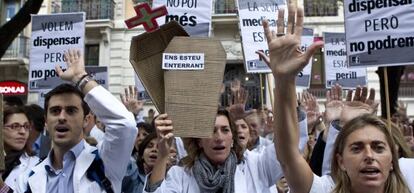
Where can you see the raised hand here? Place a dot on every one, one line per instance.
(238, 99)
(286, 58)
(334, 104)
(75, 66)
(164, 128)
(311, 107)
(361, 103)
(130, 100)
(265, 58)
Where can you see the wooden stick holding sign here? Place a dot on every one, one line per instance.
(1, 135)
(261, 90)
(387, 98)
(269, 88)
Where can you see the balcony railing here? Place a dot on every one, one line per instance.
(94, 9)
(19, 48)
(225, 6)
(406, 90)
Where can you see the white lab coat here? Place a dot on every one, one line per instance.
(115, 150)
(303, 138)
(255, 174)
(26, 164)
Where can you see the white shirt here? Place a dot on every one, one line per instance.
(303, 138)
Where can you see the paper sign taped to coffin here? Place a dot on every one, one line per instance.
(184, 61)
(146, 58)
(1, 135)
(192, 96)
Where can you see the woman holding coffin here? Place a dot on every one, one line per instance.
(216, 164)
(365, 157)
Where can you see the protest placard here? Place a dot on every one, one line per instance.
(142, 92)
(379, 32)
(193, 15)
(192, 96)
(99, 74)
(251, 15)
(336, 66)
(52, 35)
(303, 78)
(1, 135)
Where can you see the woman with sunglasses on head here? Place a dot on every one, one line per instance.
(15, 133)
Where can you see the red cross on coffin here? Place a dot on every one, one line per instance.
(146, 16)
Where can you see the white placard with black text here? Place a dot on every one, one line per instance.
(193, 15)
(379, 32)
(52, 35)
(336, 65)
(251, 15)
(183, 61)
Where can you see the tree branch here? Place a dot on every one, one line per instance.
(10, 30)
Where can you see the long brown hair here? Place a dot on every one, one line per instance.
(194, 150)
(394, 182)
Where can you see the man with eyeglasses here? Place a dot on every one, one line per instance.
(72, 165)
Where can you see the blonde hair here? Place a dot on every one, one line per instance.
(394, 183)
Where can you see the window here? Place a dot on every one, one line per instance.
(136, 2)
(318, 8)
(318, 69)
(317, 85)
(92, 55)
(11, 7)
(407, 82)
(251, 82)
(225, 6)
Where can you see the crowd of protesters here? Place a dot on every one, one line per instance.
(86, 140)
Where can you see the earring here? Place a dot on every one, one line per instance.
(231, 144)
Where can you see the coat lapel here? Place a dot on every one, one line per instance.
(37, 181)
(83, 162)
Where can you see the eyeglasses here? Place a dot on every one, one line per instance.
(17, 126)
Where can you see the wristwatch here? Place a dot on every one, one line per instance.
(83, 81)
